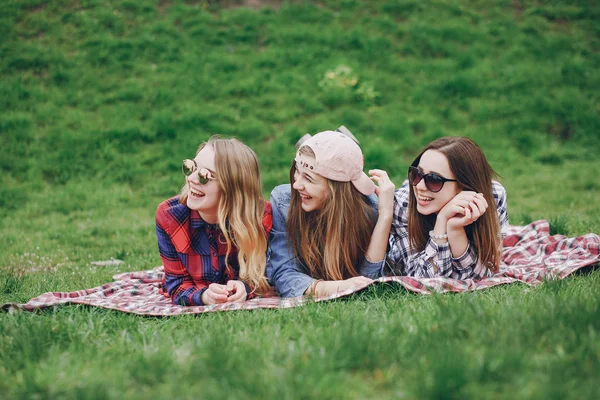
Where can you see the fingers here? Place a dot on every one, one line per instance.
(470, 199)
(237, 291)
(460, 203)
(384, 188)
(359, 280)
(237, 297)
(218, 289)
(465, 195)
(376, 178)
(468, 213)
(380, 176)
(456, 210)
(378, 173)
(469, 195)
(231, 286)
(210, 297)
(381, 180)
(481, 204)
(343, 285)
(474, 211)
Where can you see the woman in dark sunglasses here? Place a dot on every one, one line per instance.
(212, 237)
(449, 214)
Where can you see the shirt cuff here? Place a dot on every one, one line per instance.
(440, 255)
(466, 261)
(249, 293)
(373, 270)
(432, 248)
(197, 297)
(300, 283)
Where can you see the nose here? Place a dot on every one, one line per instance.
(193, 177)
(298, 184)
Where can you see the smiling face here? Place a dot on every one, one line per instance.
(312, 187)
(428, 202)
(204, 198)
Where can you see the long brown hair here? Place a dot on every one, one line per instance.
(472, 172)
(330, 242)
(241, 207)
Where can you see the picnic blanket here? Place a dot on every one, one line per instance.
(530, 255)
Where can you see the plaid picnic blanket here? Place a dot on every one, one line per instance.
(530, 255)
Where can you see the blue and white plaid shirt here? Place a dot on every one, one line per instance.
(421, 264)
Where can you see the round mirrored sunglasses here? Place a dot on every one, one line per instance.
(188, 167)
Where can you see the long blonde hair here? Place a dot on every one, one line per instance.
(241, 207)
(330, 242)
(474, 173)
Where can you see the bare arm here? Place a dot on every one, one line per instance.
(379, 239)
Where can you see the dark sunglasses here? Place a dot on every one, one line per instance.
(188, 167)
(433, 182)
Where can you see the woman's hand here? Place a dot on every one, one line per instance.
(215, 294)
(325, 288)
(385, 191)
(237, 292)
(465, 209)
(457, 206)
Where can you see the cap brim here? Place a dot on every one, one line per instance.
(364, 184)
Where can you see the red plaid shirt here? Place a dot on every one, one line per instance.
(193, 252)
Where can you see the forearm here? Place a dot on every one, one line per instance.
(457, 240)
(188, 294)
(465, 266)
(180, 286)
(379, 239)
(321, 288)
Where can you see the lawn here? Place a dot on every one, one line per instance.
(101, 100)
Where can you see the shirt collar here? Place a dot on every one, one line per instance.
(197, 222)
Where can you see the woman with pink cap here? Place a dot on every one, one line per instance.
(325, 221)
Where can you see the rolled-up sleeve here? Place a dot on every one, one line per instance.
(372, 270)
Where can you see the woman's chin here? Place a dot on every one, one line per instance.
(426, 210)
(194, 203)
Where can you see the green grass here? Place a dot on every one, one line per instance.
(100, 100)
(504, 342)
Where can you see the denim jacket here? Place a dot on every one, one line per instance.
(284, 271)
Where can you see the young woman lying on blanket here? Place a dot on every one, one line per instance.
(325, 221)
(449, 214)
(212, 238)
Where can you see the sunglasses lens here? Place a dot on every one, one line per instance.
(434, 183)
(187, 167)
(204, 176)
(414, 176)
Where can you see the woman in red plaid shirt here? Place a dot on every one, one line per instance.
(212, 237)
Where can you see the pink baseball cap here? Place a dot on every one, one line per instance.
(337, 157)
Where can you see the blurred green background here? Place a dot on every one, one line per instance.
(101, 100)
